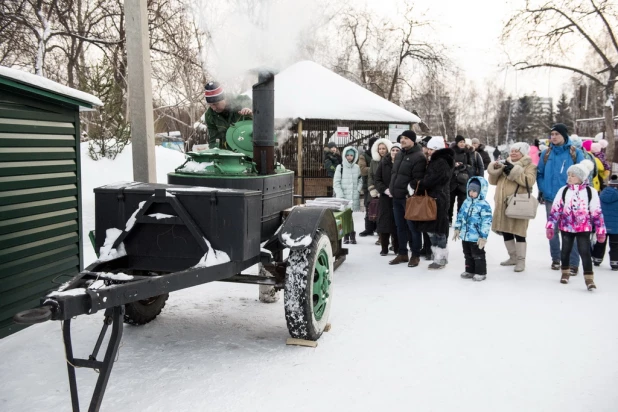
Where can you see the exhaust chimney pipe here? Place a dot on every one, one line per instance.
(264, 123)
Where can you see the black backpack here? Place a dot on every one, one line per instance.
(588, 191)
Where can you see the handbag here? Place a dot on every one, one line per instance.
(372, 209)
(421, 208)
(522, 206)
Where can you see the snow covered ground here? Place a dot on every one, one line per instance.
(402, 339)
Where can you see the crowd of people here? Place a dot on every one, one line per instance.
(574, 185)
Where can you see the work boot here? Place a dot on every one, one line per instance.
(399, 259)
(520, 248)
(555, 265)
(566, 273)
(589, 279)
(414, 261)
(346, 239)
(574, 270)
(510, 248)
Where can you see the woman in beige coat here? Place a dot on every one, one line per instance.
(517, 169)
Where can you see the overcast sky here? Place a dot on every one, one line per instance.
(471, 30)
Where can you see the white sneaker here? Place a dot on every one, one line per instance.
(479, 277)
(467, 275)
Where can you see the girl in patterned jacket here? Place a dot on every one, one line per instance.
(472, 227)
(577, 212)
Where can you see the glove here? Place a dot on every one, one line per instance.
(508, 167)
(601, 238)
(481, 243)
(387, 192)
(410, 190)
(374, 193)
(455, 235)
(549, 233)
(541, 199)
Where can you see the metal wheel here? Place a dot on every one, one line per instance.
(308, 288)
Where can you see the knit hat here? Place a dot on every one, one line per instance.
(436, 143)
(396, 146)
(350, 152)
(409, 134)
(562, 129)
(581, 170)
(214, 92)
(587, 145)
(522, 147)
(613, 181)
(595, 147)
(603, 143)
(576, 141)
(468, 142)
(474, 186)
(542, 147)
(330, 145)
(476, 141)
(459, 138)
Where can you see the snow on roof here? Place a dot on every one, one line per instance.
(49, 85)
(307, 90)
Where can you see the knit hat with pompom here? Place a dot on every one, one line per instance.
(582, 170)
(595, 148)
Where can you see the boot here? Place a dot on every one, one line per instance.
(399, 259)
(510, 248)
(589, 279)
(346, 239)
(353, 238)
(384, 243)
(574, 270)
(467, 275)
(520, 248)
(566, 273)
(395, 243)
(414, 261)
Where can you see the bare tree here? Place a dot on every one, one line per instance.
(551, 27)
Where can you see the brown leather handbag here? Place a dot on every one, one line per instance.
(421, 208)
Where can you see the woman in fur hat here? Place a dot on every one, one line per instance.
(386, 220)
(437, 182)
(509, 176)
(379, 150)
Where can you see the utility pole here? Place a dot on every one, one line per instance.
(140, 91)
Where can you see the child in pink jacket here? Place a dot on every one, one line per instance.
(577, 212)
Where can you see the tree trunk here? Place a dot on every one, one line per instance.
(608, 112)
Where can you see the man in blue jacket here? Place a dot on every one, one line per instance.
(551, 176)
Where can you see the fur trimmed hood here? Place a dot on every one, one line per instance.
(344, 160)
(374, 149)
(447, 154)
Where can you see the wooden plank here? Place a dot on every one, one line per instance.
(301, 342)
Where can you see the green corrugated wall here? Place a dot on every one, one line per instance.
(39, 199)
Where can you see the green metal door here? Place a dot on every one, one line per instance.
(39, 199)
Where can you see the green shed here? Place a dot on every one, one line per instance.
(40, 189)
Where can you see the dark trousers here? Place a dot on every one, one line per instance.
(369, 225)
(426, 243)
(510, 236)
(475, 258)
(406, 231)
(583, 246)
(598, 251)
(460, 196)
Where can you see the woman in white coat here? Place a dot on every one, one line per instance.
(348, 183)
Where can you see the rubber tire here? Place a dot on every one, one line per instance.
(141, 312)
(298, 291)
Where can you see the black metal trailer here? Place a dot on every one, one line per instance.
(158, 238)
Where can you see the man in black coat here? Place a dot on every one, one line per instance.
(461, 174)
(408, 169)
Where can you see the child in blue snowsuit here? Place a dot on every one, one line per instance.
(473, 226)
(609, 205)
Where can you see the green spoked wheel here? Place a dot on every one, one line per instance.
(308, 288)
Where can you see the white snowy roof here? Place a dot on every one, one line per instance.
(49, 85)
(307, 90)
